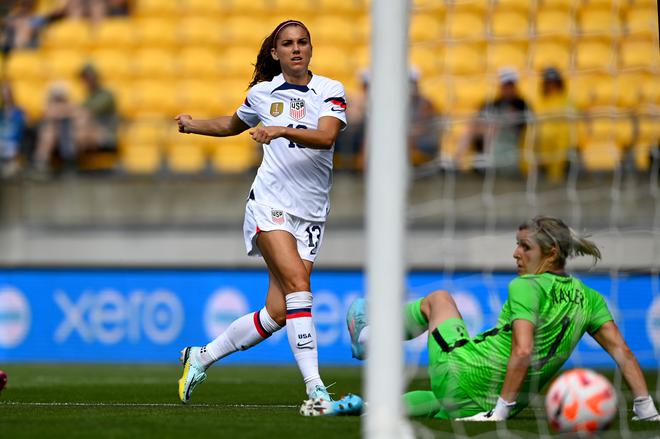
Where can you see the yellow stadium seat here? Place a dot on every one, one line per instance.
(155, 98)
(246, 31)
(465, 25)
(363, 29)
(506, 23)
(477, 6)
(66, 34)
(642, 22)
(156, 8)
(200, 31)
(202, 8)
(593, 91)
(629, 87)
(650, 90)
(599, 4)
(464, 59)
(298, 9)
(332, 62)
(114, 33)
(65, 63)
(639, 54)
(547, 53)
(238, 62)
(144, 131)
(113, 64)
(196, 61)
(157, 32)
(345, 8)
(594, 55)
(469, 93)
(600, 155)
(125, 96)
(565, 5)
(436, 90)
(30, 95)
(185, 158)
(333, 30)
(202, 98)
(425, 28)
(234, 154)
(362, 56)
(427, 58)
(604, 23)
(141, 159)
(434, 6)
(154, 64)
(558, 23)
(26, 64)
(506, 55)
(522, 6)
(250, 7)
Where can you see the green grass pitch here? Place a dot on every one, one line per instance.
(140, 401)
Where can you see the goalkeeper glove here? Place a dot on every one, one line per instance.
(644, 409)
(499, 413)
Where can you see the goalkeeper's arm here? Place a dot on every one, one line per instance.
(610, 338)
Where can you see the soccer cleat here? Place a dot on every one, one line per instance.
(193, 373)
(349, 405)
(356, 319)
(320, 392)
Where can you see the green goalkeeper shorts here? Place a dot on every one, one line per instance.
(447, 399)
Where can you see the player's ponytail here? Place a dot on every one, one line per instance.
(549, 233)
(266, 68)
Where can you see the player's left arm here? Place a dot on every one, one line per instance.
(323, 137)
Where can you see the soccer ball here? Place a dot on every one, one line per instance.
(580, 401)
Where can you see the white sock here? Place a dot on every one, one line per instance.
(242, 334)
(302, 336)
(363, 336)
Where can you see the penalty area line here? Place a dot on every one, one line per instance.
(139, 404)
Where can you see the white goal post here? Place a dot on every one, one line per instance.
(387, 169)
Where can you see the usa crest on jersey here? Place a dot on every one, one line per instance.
(297, 111)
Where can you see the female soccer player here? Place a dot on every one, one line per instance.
(490, 377)
(301, 115)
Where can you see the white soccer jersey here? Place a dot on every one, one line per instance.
(291, 177)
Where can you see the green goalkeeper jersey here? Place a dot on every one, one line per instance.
(561, 308)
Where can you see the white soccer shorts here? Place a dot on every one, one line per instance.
(260, 218)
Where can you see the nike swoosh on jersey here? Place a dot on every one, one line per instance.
(304, 345)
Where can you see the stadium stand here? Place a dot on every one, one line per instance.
(196, 56)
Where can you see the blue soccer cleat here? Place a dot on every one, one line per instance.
(349, 405)
(193, 373)
(356, 319)
(320, 392)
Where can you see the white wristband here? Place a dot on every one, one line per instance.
(644, 408)
(503, 408)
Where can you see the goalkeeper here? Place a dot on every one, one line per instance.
(490, 377)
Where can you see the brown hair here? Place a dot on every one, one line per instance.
(549, 233)
(266, 68)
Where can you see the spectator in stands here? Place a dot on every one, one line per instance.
(22, 25)
(498, 131)
(98, 120)
(96, 10)
(554, 130)
(12, 128)
(423, 131)
(351, 141)
(73, 129)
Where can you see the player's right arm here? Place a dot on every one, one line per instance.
(222, 126)
(610, 338)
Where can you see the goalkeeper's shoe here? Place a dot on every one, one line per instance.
(193, 373)
(320, 392)
(349, 405)
(356, 319)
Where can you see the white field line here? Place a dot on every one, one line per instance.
(137, 404)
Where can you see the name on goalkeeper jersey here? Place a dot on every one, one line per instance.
(567, 294)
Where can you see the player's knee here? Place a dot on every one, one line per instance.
(297, 282)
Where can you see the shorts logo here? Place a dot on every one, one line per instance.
(277, 216)
(276, 108)
(297, 108)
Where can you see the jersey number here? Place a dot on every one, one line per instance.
(293, 144)
(565, 322)
(313, 238)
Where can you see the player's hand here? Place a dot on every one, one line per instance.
(488, 416)
(183, 120)
(266, 134)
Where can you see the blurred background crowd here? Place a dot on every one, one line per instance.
(511, 85)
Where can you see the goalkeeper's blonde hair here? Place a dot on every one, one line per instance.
(549, 233)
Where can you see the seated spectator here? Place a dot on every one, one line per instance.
(22, 25)
(554, 129)
(71, 129)
(423, 131)
(498, 131)
(95, 10)
(12, 128)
